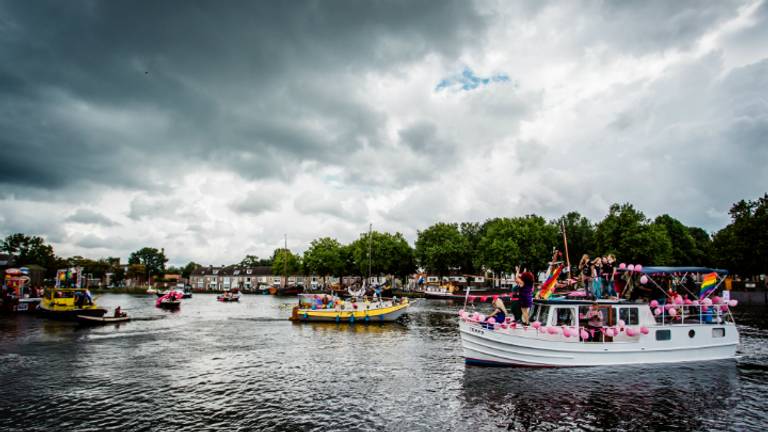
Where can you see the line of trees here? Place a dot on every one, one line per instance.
(498, 245)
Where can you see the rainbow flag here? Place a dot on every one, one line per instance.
(708, 285)
(548, 287)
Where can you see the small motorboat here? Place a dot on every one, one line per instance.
(229, 296)
(170, 301)
(93, 321)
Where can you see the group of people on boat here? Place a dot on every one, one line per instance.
(598, 276)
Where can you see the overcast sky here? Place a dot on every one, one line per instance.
(213, 128)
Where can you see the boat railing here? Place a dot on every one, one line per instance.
(693, 314)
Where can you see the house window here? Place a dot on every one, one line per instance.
(663, 335)
(630, 315)
(718, 332)
(248, 271)
(215, 272)
(236, 272)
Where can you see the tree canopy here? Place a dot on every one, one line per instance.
(628, 234)
(152, 259)
(324, 257)
(442, 247)
(29, 250)
(390, 254)
(742, 246)
(285, 262)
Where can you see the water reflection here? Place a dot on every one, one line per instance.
(672, 397)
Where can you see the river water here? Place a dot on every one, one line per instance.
(228, 366)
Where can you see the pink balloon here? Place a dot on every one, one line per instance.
(638, 267)
(622, 266)
(644, 330)
(609, 332)
(491, 320)
(566, 332)
(536, 325)
(704, 308)
(654, 303)
(669, 306)
(657, 311)
(707, 302)
(504, 326)
(622, 323)
(630, 331)
(631, 267)
(543, 329)
(584, 334)
(724, 307)
(678, 299)
(695, 303)
(643, 279)
(673, 312)
(483, 298)
(512, 325)
(476, 315)
(716, 300)
(733, 303)
(687, 302)
(552, 330)
(481, 317)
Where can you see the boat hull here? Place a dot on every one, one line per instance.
(386, 314)
(531, 348)
(227, 300)
(169, 305)
(94, 321)
(71, 314)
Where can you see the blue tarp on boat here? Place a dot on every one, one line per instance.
(670, 270)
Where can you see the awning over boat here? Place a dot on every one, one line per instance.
(671, 270)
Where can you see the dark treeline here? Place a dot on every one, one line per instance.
(498, 245)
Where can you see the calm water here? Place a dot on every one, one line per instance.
(215, 366)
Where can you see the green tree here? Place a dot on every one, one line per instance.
(284, 261)
(629, 235)
(526, 241)
(391, 254)
(187, 270)
(441, 247)
(30, 250)
(472, 232)
(742, 246)
(324, 257)
(152, 259)
(254, 261)
(580, 233)
(702, 253)
(683, 243)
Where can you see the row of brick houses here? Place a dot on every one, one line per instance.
(252, 279)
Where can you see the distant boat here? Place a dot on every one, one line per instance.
(229, 296)
(170, 301)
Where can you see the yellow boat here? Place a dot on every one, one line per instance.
(383, 310)
(68, 303)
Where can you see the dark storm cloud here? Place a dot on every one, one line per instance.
(244, 84)
(86, 216)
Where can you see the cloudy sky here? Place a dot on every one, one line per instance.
(213, 128)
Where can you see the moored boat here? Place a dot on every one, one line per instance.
(606, 332)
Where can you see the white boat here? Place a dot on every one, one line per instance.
(560, 334)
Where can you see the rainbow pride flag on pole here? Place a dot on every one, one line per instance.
(708, 285)
(548, 287)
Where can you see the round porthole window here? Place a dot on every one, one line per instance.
(691, 333)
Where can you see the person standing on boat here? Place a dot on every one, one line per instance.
(584, 272)
(594, 323)
(525, 283)
(596, 272)
(607, 275)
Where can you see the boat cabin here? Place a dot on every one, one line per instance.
(601, 314)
